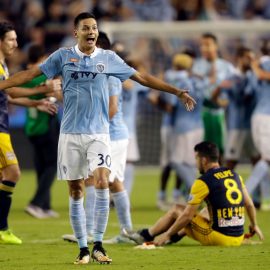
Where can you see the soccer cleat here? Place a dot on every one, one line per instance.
(163, 205)
(51, 213)
(7, 237)
(99, 255)
(35, 211)
(134, 236)
(83, 257)
(119, 239)
(71, 238)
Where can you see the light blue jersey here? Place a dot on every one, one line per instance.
(184, 121)
(223, 70)
(118, 128)
(85, 87)
(130, 100)
(167, 117)
(263, 90)
(242, 100)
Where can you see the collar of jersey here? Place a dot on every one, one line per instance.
(81, 54)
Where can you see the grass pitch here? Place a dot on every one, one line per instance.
(43, 248)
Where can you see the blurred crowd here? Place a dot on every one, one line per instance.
(49, 21)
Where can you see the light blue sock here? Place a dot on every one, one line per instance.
(176, 194)
(161, 195)
(78, 221)
(258, 173)
(89, 208)
(265, 189)
(101, 213)
(185, 172)
(129, 177)
(122, 205)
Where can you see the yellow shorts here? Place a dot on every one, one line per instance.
(7, 155)
(200, 230)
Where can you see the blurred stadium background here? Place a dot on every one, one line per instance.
(152, 31)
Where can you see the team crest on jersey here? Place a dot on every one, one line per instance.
(100, 67)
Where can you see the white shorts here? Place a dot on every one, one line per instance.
(81, 154)
(133, 149)
(239, 142)
(183, 146)
(260, 128)
(119, 158)
(166, 145)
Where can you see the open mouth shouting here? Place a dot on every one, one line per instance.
(90, 40)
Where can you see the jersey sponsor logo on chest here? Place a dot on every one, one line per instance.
(83, 74)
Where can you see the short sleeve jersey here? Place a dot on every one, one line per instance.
(85, 86)
(222, 190)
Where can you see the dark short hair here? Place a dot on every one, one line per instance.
(208, 150)
(103, 41)
(82, 16)
(4, 28)
(35, 52)
(211, 36)
(242, 50)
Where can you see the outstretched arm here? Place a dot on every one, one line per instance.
(20, 78)
(155, 83)
(50, 87)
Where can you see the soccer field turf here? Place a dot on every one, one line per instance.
(44, 249)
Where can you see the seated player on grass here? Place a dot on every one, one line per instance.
(222, 222)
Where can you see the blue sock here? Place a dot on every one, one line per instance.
(161, 195)
(176, 194)
(265, 189)
(185, 172)
(101, 213)
(89, 208)
(78, 221)
(259, 172)
(122, 205)
(129, 177)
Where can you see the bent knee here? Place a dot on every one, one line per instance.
(11, 173)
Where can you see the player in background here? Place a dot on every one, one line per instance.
(166, 148)
(221, 222)
(42, 131)
(216, 70)
(178, 130)
(241, 103)
(260, 128)
(84, 145)
(187, 129)
(9, 167)
(131, 90)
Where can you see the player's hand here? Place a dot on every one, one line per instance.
(187, 100)
(47, 107)
(163, 239)
(256, 230)
(54, 85)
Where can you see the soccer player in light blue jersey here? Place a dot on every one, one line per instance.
(216, 70)
(187, 129)
(241, 103)
(130, 106)
(84, 143)
(260, 128)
